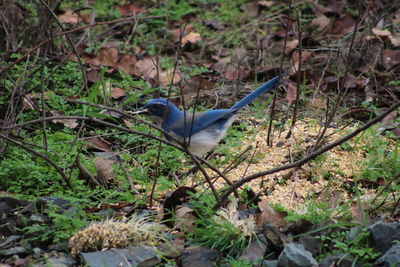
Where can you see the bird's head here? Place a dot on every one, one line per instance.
(160, 109)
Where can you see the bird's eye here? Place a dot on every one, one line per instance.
(156, 105)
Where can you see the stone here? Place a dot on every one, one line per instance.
(312, 244)
(270, 263)
(62, 261)
(13, 251)
(341, 259)
(272, 234)
(254, 251)
(10, 240)
(384, 234)
(36, 252)
(353, 233)
(198, 257)
(131, 256)
(391, 258)
(294, 255)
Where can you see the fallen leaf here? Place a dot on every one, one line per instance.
(108, 56)
(236, 74)
(395, 39)
(291, 92)
(266, 3)
(127, 63)
(269, 215)
(69, 123)
(169, 77)
(145, 67)
(129, 10)
(215, 24)
(184, 219)
(192, 37)
(178, 197)
(343, 25)
(291, 46)
(99, 143)
(196, 85)
(69, 16)
(104, 170)
(295, 60)
(358, 212)
(318, 103)
(117, 92)
(251, 8)
(391, 58)
(93, 75)
(381, 33)
(321, 22)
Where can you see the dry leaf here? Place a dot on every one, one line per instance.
(266, 3)
(291, 92)
(291, 46)
(358, 212)
(295, 60)
(145, 67)
(391, 58)
(69, 17)
(343, 25)
(127, 63)
(99, 143)
(184, 219)
(69, 123)
(318, 103)
(395, 39)
(214, 24)
(129, 10)
(192, 37)
(381, 33)
(269, 215)
(104, 170)
(108, 56)
(320, 22)
(251, 8)
(117, 92)
(166, 77)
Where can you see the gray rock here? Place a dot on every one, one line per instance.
(36, 252)
(132, 256)
(13, 251)
(272, 234)
(341, 260)
(198, 257)
(270, 263)
(353, 233)
(294, 255)
(384, 234)
(62, 261)
(37, 218)
(60, 246)
(391, 258)
(312, 244)
(254, 251)
(10, 240)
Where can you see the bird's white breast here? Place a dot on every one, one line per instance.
(205, 140)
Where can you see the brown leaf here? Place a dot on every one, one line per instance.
(167, 77)
(127, 63)
(69, 17)
(291, 46)
(93, 75)
(395, 39)
(104, 170)
(117, 92)
(381, 33)
(99, 143)
(266, 3)
(343, 25)
(192, 37)
(184, 219)
(251, 8)
(358, 212)
(196, 85)
(108, 56)
(129, 10)
(391, 58)
(321, 22)
(215, 24)
(236, 74)
(269, 215)
(69, 123)
(318, 103)
(291, 92)
(145, 67)
(295, 59)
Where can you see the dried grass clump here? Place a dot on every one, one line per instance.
(115, 234)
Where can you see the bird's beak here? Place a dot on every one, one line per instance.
(140, 111)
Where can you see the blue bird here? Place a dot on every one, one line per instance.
(200, 131)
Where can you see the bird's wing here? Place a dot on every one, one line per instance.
(200, 121)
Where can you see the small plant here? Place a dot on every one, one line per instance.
(359, 247)
(223, 231)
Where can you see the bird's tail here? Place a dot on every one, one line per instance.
(260, 90)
